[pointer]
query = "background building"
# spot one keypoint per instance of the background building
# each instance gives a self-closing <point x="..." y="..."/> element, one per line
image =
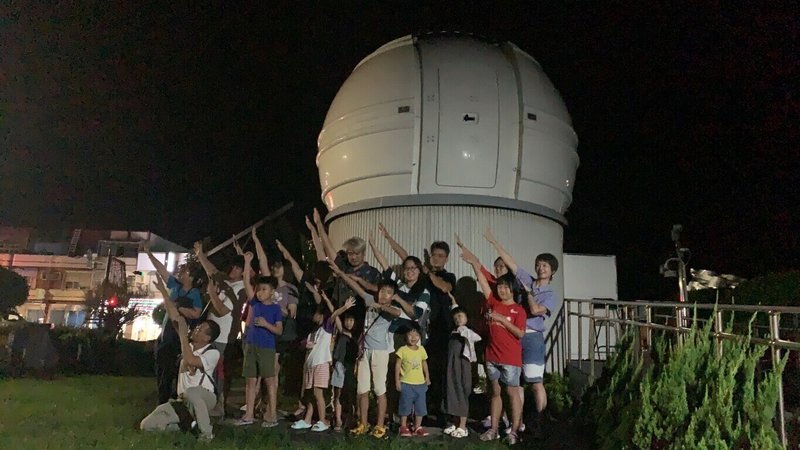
<point x="63" y="266"/>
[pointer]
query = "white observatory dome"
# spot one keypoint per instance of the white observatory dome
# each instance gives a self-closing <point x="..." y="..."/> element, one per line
<point x="443" y="133"/>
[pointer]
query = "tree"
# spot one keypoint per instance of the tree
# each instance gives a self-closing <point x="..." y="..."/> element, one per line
<point x="109" y="303"/>
<point x="13" y="291"/>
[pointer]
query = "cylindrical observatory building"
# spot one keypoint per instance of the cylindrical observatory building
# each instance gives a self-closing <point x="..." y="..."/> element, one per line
<point x="439" y="134"/>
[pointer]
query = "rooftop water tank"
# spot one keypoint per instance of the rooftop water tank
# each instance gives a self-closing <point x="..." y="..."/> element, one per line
<point x="439" y="134"/>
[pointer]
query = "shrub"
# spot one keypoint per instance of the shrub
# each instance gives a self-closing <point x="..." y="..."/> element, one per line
<point x="689" y="397"/>
<point x="84" y="351"/>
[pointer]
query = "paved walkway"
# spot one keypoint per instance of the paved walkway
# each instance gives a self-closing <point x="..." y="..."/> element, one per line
<point x="554" y="435"/>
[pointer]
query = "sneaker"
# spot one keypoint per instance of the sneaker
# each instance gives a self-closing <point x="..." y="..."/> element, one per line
<point x="301" y="425"/>
<point x="243" y="422"/>
<point x="449" y="430"/>
<point x="487" y="422"/>
<point x="378" y="432"/>
<point x="266" y="424"/>
<point x="360" y="430"/>
<point x="512" y="438"/>
<point x="405" y="432"/>
<point x="421" y="432"/>
<point x="320" y="426"/>
<point x="490" y="435"/>
<point x="459" y="433"/>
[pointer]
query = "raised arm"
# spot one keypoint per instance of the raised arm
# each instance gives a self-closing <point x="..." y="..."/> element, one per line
<point x="316" y="241"/>
<point x="472" y="260"/>
<point x="335" y="316"/>
<point x="378" y="255"/>
<point x="161" y="269"/>
<point x="347" y="305"/>
<point x="369" y="287"/>
<point x="263" y="262"/>
<point x="219" y="307"/>
<point x="350" y="282"/>
<point x="248" y="284"/>
<point x="237" y="247"/>
<point x="327" y="301"/>
<point x="201" y="256"/>
<point x="314" y="293"/>
<point x="169" y="305"/>
<point x="504" y="255"/>
<point x="187" y="353"/>
<point x="401" y="252"/>
<point x="327" y="245"/>
<point x="297" y="271"/>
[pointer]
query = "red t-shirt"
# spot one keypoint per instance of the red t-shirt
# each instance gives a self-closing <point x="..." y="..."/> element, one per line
<point x="504" y="347"/>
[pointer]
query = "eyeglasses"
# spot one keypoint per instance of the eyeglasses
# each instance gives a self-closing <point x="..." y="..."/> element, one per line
<point x="410" y="269"/>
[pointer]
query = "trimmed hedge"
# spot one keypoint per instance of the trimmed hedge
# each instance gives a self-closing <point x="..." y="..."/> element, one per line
<point x="83" y="351"/>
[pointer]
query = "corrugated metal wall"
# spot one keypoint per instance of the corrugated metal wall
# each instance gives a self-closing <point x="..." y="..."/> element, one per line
<point x="524" y="235"/>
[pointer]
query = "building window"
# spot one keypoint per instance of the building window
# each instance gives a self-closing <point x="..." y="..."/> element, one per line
<point x="35" y="315"/>
<point x="57" y="316"/>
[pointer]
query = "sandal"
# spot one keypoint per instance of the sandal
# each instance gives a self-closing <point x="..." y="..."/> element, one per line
<point x="459" y="433"/>
<point x="489" y="435"/>
<point x="320" y="426"/>
<point x="301" y="425"/>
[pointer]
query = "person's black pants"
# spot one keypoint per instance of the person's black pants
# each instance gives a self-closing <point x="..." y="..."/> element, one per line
<point x="167" y="372"/>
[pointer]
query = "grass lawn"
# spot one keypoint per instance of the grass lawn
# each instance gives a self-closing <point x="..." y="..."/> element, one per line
<point x="104" y="412"/>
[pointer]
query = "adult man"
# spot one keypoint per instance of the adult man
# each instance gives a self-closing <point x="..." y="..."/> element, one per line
<point x="196" y="391"/>
<point x="351" y="261"/>
<point x="186" y="297"/>
<point x="227" y="298"/>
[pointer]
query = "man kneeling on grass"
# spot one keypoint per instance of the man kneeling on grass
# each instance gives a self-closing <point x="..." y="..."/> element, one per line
<point x="196" y="390"/>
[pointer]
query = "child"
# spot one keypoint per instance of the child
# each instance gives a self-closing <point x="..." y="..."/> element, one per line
<point x="372" y="365"/>
<point x="458" y="378"/>
<point x="412" y="380"/>
<point x="264" y="323"/>
<point x="344" y="362"/>
<point x="504" y="352"/>
<point x="317" y="370"/>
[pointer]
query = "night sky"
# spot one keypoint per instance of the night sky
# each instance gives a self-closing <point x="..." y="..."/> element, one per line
<point x="198" y="122"/>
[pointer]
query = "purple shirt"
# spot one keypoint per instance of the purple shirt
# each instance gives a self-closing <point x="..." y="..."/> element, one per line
<point x="525" y="277"/>
<point x="546" y="297"/>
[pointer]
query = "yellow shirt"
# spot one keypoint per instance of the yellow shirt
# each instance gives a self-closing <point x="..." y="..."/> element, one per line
<point x="411" y="364"/>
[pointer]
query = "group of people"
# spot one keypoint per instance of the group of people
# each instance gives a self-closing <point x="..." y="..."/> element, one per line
<point x="358" y="326"/>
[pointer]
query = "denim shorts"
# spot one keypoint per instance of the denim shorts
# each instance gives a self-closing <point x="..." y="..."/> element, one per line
<point x="413" y="395"/>
<point x="507" y="374"/>
<point x="337" y="378"/>
<point x="533" y="353"/>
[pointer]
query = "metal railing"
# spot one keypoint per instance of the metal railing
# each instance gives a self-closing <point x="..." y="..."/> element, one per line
<point x="589" y="320"/>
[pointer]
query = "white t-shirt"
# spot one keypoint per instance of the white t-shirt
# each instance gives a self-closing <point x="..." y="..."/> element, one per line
<point x="225" y="321"/>
<point x="186" y="379"/>
<point x="321" y="351"/>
